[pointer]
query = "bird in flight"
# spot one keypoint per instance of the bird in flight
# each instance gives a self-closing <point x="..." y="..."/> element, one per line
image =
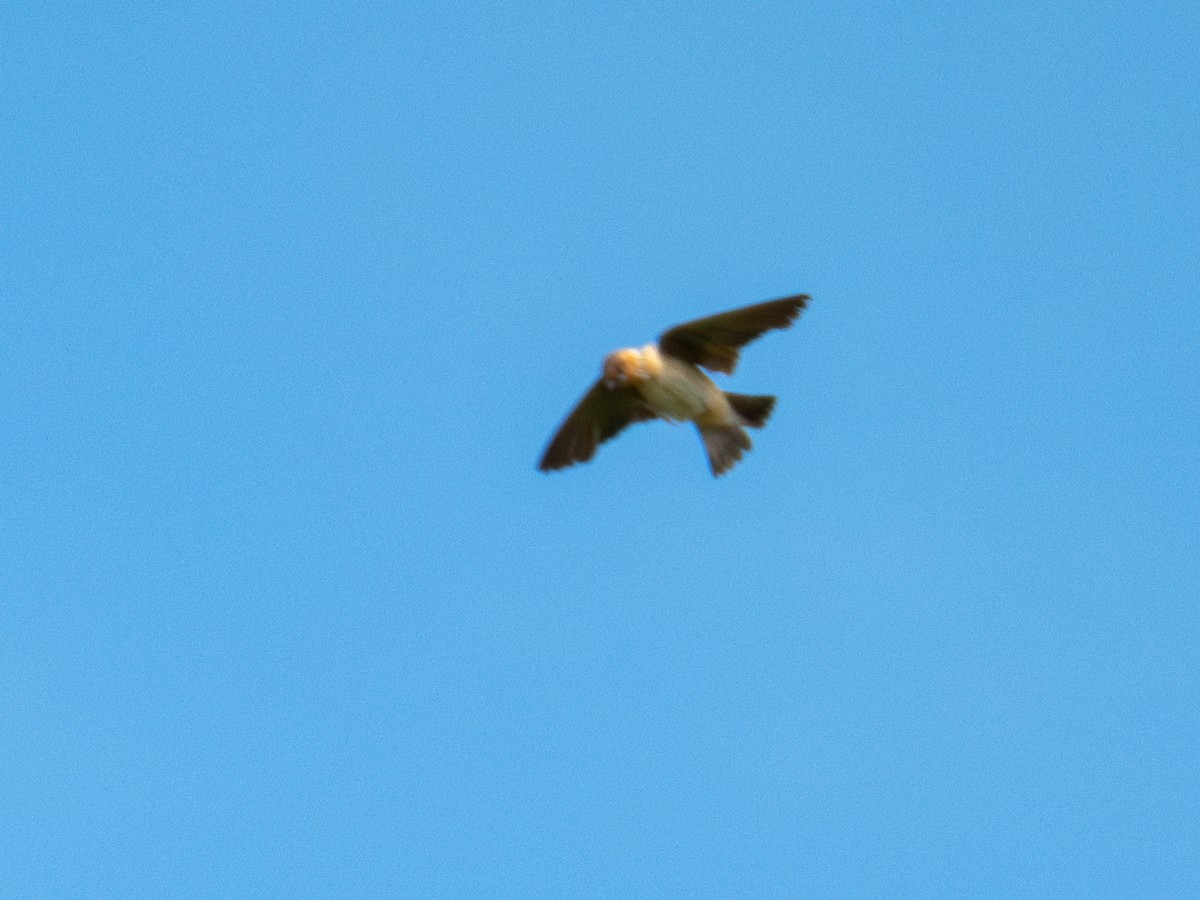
<point x="664" y="381"/>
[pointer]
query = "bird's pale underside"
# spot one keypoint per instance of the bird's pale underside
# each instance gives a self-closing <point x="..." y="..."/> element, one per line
<point x="665" y="381"/>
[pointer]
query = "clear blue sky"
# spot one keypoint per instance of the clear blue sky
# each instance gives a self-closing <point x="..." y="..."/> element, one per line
<point x="292" y="297"/>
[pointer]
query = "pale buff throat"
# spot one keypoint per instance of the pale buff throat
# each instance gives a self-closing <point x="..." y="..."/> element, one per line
<point x="632" y="366"/>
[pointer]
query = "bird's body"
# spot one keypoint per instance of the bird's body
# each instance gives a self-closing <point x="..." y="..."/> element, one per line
<point x="664" y="381"/>
<point x="676" y="390"/>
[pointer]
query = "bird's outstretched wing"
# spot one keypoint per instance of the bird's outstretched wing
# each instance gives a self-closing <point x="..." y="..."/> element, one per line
<point x="600" y="415"/>
<point x="713" y="342"/>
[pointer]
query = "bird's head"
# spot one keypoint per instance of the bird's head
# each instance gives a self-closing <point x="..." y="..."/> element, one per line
<point x="630" y="366"/>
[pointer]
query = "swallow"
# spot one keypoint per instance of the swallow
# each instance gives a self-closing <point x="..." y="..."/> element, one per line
<point x="665" y="381"/>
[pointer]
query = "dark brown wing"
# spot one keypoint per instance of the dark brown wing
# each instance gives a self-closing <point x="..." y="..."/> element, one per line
<point x="714" y="342"/>
<point x="600" y="415"/>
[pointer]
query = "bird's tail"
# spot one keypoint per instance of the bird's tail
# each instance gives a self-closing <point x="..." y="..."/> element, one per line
<point x="724" y="445"/>
<point x="753" y="410"/>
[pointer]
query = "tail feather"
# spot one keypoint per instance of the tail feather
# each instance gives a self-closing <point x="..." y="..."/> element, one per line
<point x="753" y="410"/>
<point x="724" y="445"/>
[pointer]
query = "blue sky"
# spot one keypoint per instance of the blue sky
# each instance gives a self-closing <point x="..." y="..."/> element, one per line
<point x="291" y="299"/>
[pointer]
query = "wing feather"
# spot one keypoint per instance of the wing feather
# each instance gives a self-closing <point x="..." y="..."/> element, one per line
<point x="600" y="415"/>
<point x="713" y="342"/>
